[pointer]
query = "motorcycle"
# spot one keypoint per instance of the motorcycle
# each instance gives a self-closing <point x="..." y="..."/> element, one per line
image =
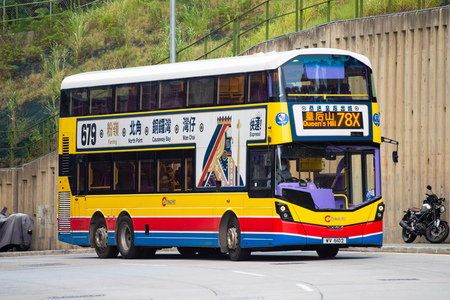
<point x="425" y="220"/>
<point x="15" y="231"/>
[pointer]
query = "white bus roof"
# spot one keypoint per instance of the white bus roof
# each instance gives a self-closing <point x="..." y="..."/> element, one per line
<point x="209" y="67"/>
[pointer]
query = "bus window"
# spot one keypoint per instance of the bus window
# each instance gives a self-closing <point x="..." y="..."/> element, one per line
<point x="231" y="89"/>
<point x="200" y="92"/>
<point x="326" y="78"/>
<point x="81" y="181"/>
<point x="166" y="175"/>
<point x="146" y="176"/>
<point x="124" y="175"/>
<point x="274" y="86"/>
<point x="99" y="176"/>
<point x="172" y="94"/>
<point x="370" y="175"/>
<point x="260" y="174"/>
<point x="257" y="88"/>
<point x="149" y="92"/>
<point x="101" y="101"/>
<point x="126" y="98"/>
<point x="79" y="103"/>
<point x="189" y="174"/>
<point x="363" y="177"/>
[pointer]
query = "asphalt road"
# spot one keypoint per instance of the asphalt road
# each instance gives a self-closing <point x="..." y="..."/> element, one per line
<point x="274" y="275"/>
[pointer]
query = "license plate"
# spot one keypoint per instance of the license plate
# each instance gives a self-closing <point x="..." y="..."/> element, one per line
<point x="334" y="241"/>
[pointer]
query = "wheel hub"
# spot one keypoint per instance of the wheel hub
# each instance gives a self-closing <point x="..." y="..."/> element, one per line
<point x="436" y="232"/>
<point x="101" y="237"/>
<point x="232" y="238"/>
<point x="125" y="238"/>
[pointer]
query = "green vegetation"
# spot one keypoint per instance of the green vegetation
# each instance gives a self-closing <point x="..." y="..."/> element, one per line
<point x="128" y="33"/>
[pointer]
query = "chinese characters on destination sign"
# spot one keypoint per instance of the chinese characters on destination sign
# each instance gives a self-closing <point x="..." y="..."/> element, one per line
<point x="332" y="120"/>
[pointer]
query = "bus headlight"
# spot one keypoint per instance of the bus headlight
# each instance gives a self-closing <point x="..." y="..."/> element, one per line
<point x="283" y="211"/>
<point x="380" y="212"/>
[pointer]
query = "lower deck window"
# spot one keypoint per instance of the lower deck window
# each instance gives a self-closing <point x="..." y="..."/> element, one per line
<point x="99" y="176"/>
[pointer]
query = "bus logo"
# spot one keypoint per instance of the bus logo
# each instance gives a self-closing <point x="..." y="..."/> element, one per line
<point x="376" y="120"/>
<point x="166" y="201"/>
<point x="282" y="119"/>
<point x="329" y="218"/>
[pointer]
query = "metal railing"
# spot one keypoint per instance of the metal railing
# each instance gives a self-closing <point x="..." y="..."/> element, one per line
<point x="16" y="11"/>
<point x="209" y="44"/>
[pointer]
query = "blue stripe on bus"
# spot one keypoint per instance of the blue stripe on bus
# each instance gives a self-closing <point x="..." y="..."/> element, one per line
<point x="211" y="239"/>
<point x="174" y="239"/>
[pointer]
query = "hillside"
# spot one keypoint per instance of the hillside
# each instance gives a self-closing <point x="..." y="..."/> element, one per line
<point x="127" y="33"/>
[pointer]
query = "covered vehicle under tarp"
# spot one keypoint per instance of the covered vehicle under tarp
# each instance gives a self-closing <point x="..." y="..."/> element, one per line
<point x="15" y="231"/>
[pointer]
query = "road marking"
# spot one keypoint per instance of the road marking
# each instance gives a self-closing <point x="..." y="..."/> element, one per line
<point x="247" y="273"/>
<point x="305" y="287"/>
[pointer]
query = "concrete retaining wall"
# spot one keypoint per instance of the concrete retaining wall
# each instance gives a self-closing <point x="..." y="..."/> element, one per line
<point x="32" y="189"/>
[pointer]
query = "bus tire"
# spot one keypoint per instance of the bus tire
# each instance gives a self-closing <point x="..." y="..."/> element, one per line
<point x="328" y="252"/>
<point x="101" y="246"/>
<point x="125" y="239"/>
<point x="235" y="251"/>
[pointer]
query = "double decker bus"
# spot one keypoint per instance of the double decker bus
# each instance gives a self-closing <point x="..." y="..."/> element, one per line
<point x="274" y="151"/>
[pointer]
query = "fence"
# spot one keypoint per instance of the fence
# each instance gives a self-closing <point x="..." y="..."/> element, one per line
<point x="18" y="12"/>
<point x="216" y="40"/>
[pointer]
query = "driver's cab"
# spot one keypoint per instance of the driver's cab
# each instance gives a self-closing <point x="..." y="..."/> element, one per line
<point x="321" y="177"/>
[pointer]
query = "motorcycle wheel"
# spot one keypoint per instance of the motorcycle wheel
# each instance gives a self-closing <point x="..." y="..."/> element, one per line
<point x="408" y="237"/>
<point x="437" y="234"/>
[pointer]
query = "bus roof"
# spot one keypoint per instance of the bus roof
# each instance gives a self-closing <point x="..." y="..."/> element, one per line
<point x="190" y="69"/>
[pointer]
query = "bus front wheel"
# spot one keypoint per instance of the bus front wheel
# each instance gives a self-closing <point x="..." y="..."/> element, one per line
<point x="101" y="246"/>
<point x="235" y="251"/>
<point x="125" y="239"/>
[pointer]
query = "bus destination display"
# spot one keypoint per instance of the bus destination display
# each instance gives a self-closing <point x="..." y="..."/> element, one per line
<point x="332" y="120"/>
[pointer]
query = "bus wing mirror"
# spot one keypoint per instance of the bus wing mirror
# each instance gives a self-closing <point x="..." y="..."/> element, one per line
<point x="391" y="141"/>
<point x="395" y="156"/>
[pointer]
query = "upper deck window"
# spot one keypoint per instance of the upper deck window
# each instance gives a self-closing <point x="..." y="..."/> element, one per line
<point x="231" y="89"/>
<point x="257" y="87"/>
<point x="149" y="96"/>
<point x="326" y="78"/>
<point x="101" y="101"/>
<point x="201" y="92"/>
<point x="126" y="98"/>
<point x="172" y="94"/>
<point x="79" y="102"/>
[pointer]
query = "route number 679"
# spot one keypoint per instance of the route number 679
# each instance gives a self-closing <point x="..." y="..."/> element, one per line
<point x="88" y="134"/>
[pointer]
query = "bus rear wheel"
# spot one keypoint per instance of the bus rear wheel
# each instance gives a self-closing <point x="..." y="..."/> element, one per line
<point x="235" y="251"/>
<point x="101" y="246"/>
<point x="125" y="239"/>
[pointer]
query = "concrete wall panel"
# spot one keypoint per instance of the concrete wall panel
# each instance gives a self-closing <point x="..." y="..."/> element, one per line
<point x="32" y="189"/>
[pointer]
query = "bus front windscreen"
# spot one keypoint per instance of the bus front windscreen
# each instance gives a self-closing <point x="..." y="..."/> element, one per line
<point x="327" y="177"/>
<point x="326" y="78"/>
